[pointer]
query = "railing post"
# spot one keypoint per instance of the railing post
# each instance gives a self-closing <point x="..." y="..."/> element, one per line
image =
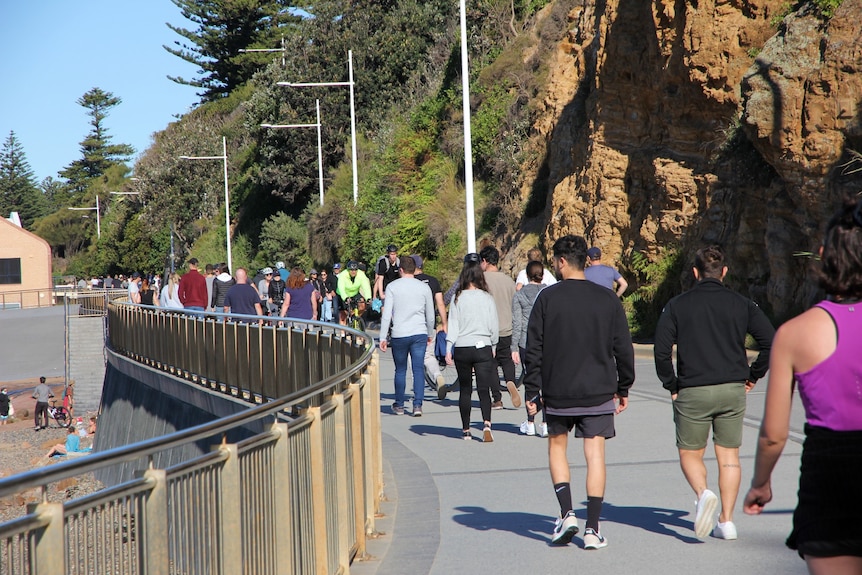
<point x="283" y="524"/>
<point x="369" y="464"/>
<point x="230" y="502"/>
<point x="48" y="545"/>
<point x="341" y="481"/>
<point x="155" y="559"/>
<point x="318" y="491"/>
<point x="359" y="478"/>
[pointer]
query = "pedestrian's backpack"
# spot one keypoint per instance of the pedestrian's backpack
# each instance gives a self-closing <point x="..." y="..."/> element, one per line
<point x="440" y="347"/>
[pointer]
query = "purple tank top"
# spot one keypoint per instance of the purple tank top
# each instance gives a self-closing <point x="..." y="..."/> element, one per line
<point x="831" y="391"/>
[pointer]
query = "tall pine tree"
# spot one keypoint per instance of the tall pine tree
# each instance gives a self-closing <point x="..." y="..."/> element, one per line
<point x="97" y="153"/>
<point x="18" y="189"/>
<point x="224" y="28"/>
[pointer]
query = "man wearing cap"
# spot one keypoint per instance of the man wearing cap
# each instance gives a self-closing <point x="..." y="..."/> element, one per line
<point x="432" y="366"/>
<point x="282" y="271"/>
<point x="606" y="276"/>
<point x="263" y="289"/>
<point x="386" y="271"/>
<point x="352" y="282"/>
<point x="193" y="288"/>
<point x="135" y="288"/>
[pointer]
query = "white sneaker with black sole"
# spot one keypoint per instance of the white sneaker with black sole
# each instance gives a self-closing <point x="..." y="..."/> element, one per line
<point x="565" y="528"/>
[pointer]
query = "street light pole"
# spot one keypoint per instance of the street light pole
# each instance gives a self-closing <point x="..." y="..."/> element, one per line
<point x="468" y="147"/>
<point x="98" y="217"/>
<point x="319" y="142"/>
<point x="350" y="84"/>
<point x="223" y="157"/>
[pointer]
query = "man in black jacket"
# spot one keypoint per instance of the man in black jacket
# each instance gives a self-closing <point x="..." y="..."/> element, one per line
<point x="581" y="360"/>
<point x="708" y="324"/>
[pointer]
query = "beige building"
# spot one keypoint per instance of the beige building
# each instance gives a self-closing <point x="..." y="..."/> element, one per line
<point x="25" y="267"/>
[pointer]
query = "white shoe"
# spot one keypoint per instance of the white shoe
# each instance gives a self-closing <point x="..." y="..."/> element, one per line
<point x="564" y="529"/>
<point x="528" y="428"/>
<point x="726" y="530"/>
<point x="594" y="540"/>
<point x="707" y="514"/>
<point x="543" y="430"/>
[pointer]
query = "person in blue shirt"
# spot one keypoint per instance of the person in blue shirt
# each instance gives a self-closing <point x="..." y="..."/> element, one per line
<point x="72" y="445"/>
<point x="606" y="276"/>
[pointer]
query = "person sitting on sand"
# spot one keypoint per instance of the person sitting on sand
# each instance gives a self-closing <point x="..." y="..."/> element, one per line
<point x="73" y="445"/>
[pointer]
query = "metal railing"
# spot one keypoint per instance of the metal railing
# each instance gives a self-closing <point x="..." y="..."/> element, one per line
<point x="24" y="299"/>
<point x="298" y="498"/>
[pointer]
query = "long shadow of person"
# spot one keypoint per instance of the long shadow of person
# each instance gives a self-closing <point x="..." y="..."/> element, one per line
<point x="528" y="525"/>
<point x="655" y="519"/>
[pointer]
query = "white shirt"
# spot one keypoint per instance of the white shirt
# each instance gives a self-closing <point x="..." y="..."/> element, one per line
<point x="548" y="278"/>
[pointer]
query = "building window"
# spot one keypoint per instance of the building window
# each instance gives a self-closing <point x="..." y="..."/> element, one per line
<point x="10" y="270"/>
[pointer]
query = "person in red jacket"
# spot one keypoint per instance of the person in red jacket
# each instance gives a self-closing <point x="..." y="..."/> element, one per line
<point x="193" y="288"/>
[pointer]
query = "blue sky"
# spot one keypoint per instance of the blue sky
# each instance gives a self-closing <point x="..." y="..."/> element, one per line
<point x="53" y="51"/>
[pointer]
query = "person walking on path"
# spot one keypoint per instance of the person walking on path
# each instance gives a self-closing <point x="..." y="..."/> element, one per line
<point x="41" y="394"/>
<point x="242" y="297"/>
<point x="193" y="288"/>
<point x="708" y="324"/>
<point x="385" y="271"/>
<point x="522" y="306"/>
<point x="300" y="297"/>
<point x="473" y="333"/>
<point x="534" y="255"/>
<point x="818" y="352"/>
<point x="171" y="292"/>
<point x="580" y="366"/>
<point x="502" y="289"/>
<point x="606" y="276"/>
<point x="433" y="369"/>
<point x="223" y="282"/>
<point x="409" y="309"/>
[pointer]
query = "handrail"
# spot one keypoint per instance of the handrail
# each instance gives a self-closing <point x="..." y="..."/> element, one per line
<point x="328" y="458"/>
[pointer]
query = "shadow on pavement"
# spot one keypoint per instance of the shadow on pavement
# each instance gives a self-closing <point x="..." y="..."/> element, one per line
<point x="654" y="519"/>
<point x="529" y="525"/>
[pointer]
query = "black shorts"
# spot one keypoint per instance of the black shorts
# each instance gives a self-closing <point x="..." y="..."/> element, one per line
<point x="587" y="426"/>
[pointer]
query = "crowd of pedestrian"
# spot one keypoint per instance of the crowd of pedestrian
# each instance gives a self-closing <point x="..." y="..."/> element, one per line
<point x="569" y="333"/>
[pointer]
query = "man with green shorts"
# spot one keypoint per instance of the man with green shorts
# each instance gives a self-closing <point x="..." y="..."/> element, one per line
<point x="709" y="324"/>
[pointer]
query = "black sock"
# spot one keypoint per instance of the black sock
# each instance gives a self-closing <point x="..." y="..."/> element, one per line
<point x="594" y="510"/>
<point x="564" y="496"/>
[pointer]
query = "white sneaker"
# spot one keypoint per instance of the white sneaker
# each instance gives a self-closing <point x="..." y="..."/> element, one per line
<point x="528" y="428"/>
<point x="564" y="529"/>
<point x="726" y="530"/>
<point x="543" y="430"/>
<point x="706" y="516"/>
<point x="594" y="540"/>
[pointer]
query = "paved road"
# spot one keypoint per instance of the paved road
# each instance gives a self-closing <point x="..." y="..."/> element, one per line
<point x="468" y="507"/>
<point x="33" y="343"/>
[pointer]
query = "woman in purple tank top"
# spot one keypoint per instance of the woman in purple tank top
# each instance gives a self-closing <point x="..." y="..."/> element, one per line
<point x="819" y="352"/>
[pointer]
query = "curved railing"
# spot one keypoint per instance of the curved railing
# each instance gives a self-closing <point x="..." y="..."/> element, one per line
<point x="300" y="497"/>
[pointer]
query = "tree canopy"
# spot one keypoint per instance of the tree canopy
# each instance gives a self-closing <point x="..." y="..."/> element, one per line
<point x="18" y="189"/>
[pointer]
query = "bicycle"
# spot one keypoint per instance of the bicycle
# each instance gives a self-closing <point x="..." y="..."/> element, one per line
<point x="59" y="414"/>
<point x="355" y="310"/>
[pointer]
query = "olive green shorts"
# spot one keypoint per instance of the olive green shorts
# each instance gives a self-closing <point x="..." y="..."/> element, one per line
<point x="721" y="407"/>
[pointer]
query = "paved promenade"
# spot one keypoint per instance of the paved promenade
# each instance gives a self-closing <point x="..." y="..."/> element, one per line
<point x="468" y="507"/>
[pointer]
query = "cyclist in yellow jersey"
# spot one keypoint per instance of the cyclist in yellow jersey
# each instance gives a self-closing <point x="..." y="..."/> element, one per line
<point x="353" y="281"/>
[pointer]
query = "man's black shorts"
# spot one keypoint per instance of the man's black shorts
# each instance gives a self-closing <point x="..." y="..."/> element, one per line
<point x="587" y="426"/>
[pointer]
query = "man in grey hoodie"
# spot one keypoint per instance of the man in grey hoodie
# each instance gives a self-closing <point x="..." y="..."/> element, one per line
<point x="409" y="308"/>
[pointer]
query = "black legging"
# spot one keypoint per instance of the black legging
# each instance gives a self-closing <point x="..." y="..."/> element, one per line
<point x="504" y="360"/>
<point x="481" y="360"/>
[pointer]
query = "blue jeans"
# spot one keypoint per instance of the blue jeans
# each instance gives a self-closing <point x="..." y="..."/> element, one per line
<point x="414" y="346"/>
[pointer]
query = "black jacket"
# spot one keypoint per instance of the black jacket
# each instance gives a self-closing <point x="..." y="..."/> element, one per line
<point x="708" y="324"/>
<point x="579" y="349"/>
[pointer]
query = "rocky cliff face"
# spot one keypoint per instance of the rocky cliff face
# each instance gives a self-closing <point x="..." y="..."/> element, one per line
<point x="672" y="123"/>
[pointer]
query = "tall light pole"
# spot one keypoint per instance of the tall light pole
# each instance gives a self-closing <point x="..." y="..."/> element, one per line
<point x="98" y="217"/>
<point x="468" y="147"/>
<point x="226" y="193"/>
<point x="351" y="84"/>
<point x="319" y="142"/>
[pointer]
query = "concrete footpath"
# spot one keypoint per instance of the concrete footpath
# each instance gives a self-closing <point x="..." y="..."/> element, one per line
<point x="454" y="506"/>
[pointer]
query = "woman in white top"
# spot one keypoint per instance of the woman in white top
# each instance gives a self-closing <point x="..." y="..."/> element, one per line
<point x="171" y="293"/>
<point x="473" y="332"/>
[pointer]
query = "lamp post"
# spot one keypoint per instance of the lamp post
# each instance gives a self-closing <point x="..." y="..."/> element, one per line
<point x="468" y="147"/>
<point x="350" y="83"/>
<point x="98" y="217"/>
<point x="319" y="142"/>
<point x="226" y="193"/>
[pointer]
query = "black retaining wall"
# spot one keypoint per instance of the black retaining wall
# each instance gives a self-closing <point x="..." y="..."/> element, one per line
<point x="141" y="402"/>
